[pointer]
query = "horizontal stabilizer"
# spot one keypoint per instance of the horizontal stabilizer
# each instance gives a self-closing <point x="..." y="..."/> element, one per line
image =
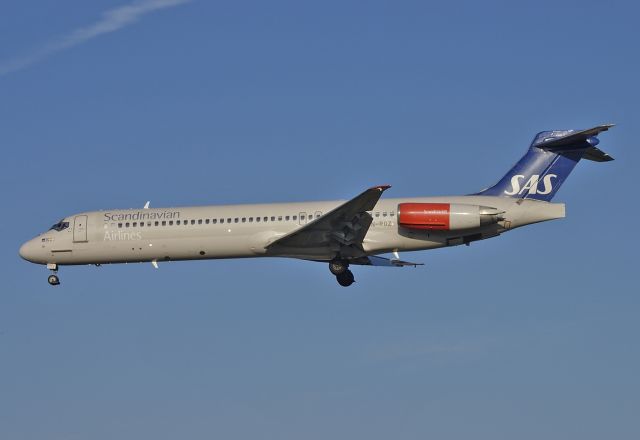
<point x="596" y="155"/>
<point x="564" y="141"/>
<point x="559" y="140"/>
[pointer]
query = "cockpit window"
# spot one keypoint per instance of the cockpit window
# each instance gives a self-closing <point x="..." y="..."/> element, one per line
<point x="61" y="225"/>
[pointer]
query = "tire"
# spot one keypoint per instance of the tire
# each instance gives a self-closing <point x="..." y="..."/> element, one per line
<point x="53" y="280"/>
<point x="346" y="278"/>
<point x="337" y="267"/>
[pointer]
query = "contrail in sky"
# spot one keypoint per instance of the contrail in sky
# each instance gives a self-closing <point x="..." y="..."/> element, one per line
<point x="111" y="21"/>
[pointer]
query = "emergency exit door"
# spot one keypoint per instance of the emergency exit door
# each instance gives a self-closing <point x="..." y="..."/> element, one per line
<point x="80" y="228"/>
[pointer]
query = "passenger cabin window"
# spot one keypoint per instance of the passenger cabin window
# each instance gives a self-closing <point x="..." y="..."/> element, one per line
<point x="193" y="222"/>
<point x="200" y="221"/>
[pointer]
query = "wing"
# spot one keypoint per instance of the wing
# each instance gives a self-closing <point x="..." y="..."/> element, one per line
<point x="375" y="260"/>
<point x="345" y="226"/>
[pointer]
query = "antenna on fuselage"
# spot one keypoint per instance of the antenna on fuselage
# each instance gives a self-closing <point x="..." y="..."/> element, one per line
<point x="146" y="205"/>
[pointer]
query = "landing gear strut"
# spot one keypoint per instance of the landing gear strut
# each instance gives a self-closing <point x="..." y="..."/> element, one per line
<point x="340" y="268"/>
<point x="53" y="278"/>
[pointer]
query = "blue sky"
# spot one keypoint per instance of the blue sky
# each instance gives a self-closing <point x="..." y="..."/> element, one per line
<point x="108" y="104"/>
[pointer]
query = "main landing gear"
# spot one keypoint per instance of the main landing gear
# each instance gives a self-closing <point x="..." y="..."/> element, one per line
<point x="53" y="278"/>
<point x="340" y="268"/>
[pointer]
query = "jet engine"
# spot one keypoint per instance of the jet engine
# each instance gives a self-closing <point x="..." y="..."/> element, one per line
<point x="446" y="216"/>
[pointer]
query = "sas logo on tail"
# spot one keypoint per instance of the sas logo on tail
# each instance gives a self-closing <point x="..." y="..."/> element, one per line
<point x="531" y="185"/>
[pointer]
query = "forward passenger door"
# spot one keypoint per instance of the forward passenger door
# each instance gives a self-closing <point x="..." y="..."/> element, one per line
<point x="80" y="229"/>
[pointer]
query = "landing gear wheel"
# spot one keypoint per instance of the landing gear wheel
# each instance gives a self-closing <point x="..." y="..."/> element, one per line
<point x="53" y="280"/>
<point x="345" y="279"/>
<point x="338" y="267"/>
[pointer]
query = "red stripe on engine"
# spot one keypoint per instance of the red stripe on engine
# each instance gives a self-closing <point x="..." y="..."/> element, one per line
<point x="431" y="216"/>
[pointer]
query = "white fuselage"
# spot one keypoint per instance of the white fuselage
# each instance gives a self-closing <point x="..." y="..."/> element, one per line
<point x="242" y="231"/>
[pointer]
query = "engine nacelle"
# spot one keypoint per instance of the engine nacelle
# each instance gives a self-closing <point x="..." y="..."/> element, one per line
<point x="446" y="216"/>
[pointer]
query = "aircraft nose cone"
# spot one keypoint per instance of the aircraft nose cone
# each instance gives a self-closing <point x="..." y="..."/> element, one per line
<point x="27" y="251"/>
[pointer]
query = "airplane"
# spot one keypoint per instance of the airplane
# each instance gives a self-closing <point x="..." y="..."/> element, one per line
<point x="340" y="233"/>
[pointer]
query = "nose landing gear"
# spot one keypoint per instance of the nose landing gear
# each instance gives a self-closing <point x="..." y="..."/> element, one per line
<point x="340" y="268"/>
<point x="53" y="278"/>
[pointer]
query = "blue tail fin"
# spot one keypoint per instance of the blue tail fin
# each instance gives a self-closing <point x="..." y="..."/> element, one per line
<point x="548" y="162"/>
